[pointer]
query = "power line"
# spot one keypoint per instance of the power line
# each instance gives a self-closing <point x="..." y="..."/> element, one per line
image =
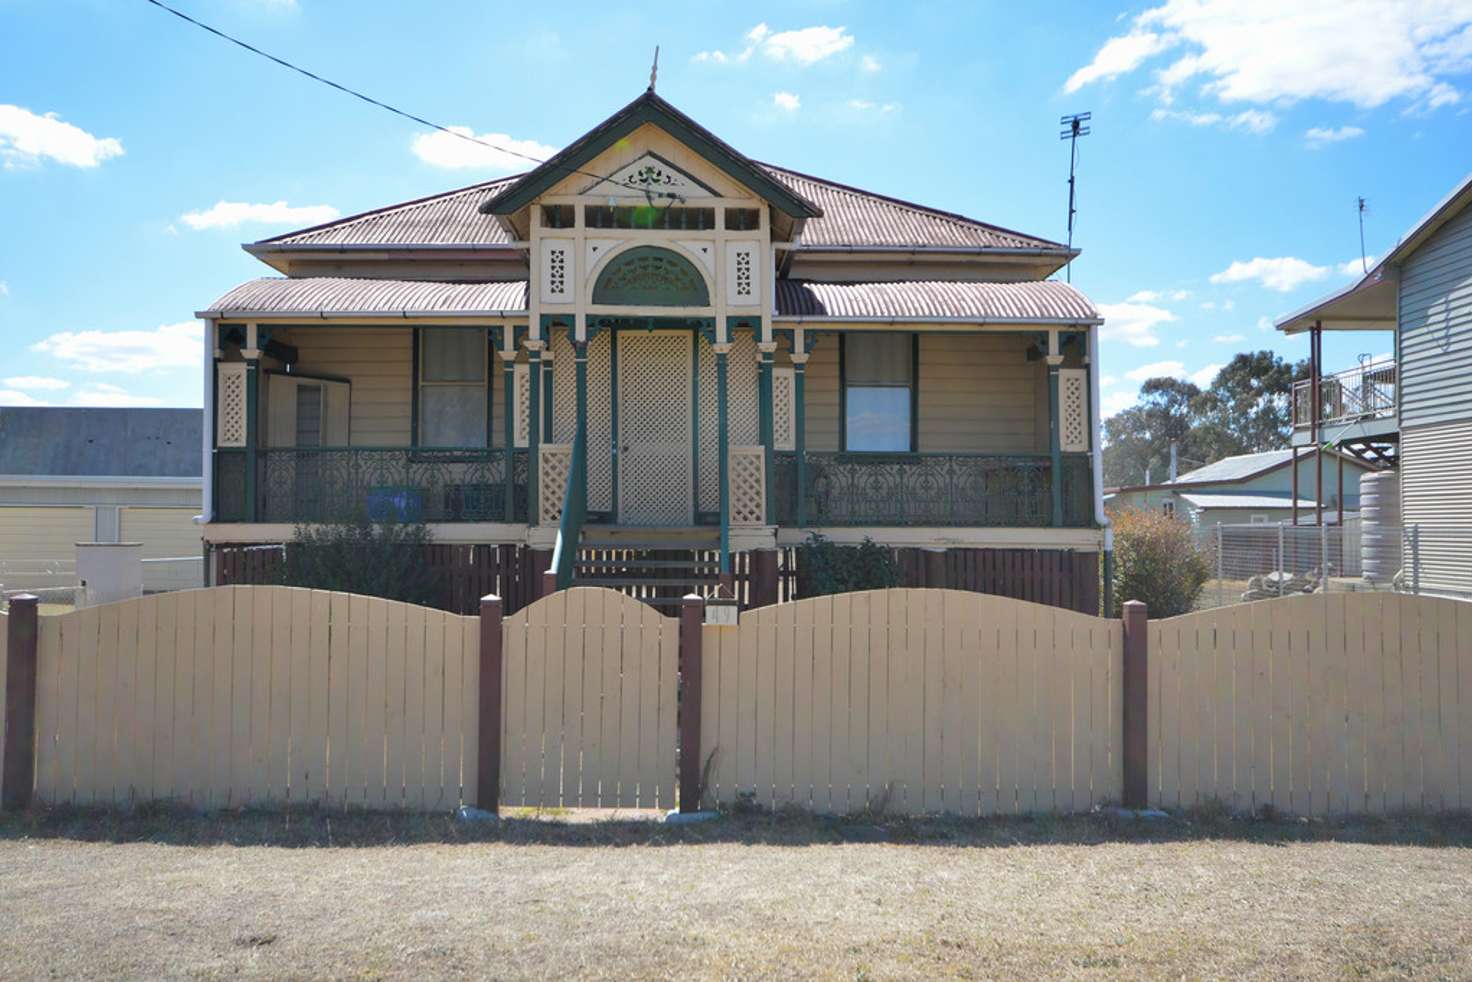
<point x="393" y="109"/>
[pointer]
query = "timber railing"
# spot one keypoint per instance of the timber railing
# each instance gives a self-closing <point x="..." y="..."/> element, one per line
<point x="574" y="514"/>
<point x="1365" y="392"/>
<point x="326" y="484"/>
<point x="991" y="490"/>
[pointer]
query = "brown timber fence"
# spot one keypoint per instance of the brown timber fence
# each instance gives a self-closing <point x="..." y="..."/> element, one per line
<point x="906" y="700"/>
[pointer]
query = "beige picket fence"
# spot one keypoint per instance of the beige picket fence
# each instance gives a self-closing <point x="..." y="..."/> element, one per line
<point x="913" y="700"/>
<point x="589" y="703"/>
<point x="237" y="696"/>
<point x="1315" y="705"/>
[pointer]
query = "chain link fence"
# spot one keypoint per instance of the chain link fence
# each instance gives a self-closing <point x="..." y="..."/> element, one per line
<point x="1264" y="560"/>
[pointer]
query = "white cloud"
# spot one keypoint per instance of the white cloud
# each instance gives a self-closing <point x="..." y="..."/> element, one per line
<point x="1118" y="56"/>
<point x="1229" y="338"/>
<point x="864" y="106"/>
<point x="870" y="64"/>
<point x="1204" y="377"/>
<point x="1365" y="53"/>
<point x="1105" y="381"/>
<point x="36" y="383"/>
<point x="1115" y="402"/>
<point x="102" y="394"/>
<point x="1283" y="274"/>
<point x="169" y="346"/>
<point x="1252" y="120"/>
<point x="1264" y="323"/>
<point x="11" y="397"/>
<point x="787" y="101"/>
<point x="233" y="214"/>
<point x="441" y="149"/>
<point x="1133" y="323"/>
<point x="4" y="289"/>
<point x="803" y="47"/>
<point x="1319" y="136"/>
<point x="1208" y="305"/>
<point x="1155" y="369"/>
<point x="1180" y="294"/>
<point x="1353" y="267"/>
<point x="1143" y="296"/>
<point x="27" y="139"/>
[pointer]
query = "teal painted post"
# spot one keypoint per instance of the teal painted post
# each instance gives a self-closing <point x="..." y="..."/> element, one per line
<point x="533" y="431"/>
<point x="799" y="431"/>
<point x="765" y="417"/>
<point x="508" y="430"/>
<point x="548" y="432"/>
<point x="580" y="362"/>
<point x="723" y="453"/>
<point x="252" y="435"/>
<point x="1053" y="446"/>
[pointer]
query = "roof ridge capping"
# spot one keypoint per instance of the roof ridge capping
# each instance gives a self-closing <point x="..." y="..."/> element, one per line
<point x="650" y="107"/>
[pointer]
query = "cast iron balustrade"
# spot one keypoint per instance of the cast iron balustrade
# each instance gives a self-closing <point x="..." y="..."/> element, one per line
<point x="330" y="484"/>
<point x="977" y="490"/>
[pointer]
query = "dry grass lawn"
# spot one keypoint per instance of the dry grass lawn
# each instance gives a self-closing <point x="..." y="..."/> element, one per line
<point x="167" y="895"/>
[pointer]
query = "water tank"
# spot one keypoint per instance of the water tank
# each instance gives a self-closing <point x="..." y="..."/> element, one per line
<point x="1380" y="541"/>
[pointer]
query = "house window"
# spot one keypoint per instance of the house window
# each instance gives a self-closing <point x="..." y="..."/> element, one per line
<point x="879" y="392"/>
<point x="452" y="388"/>
<point x="1259" y="519"/>
<point x="1169" y="507"/>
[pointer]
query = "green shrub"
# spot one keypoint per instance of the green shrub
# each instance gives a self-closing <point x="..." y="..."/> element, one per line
<point x="376" y="559"/>
<point x="1156" y="561"/>
<point x="824" y="568"/>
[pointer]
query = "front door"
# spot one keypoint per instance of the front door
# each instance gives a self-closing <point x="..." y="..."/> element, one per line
<point x="655" y="436"/>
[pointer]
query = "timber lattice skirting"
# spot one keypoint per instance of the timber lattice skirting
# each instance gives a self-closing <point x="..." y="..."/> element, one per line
<point x="908" y="700"/>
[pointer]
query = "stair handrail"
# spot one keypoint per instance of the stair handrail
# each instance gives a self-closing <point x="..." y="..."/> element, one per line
<point x="574" y="513"/>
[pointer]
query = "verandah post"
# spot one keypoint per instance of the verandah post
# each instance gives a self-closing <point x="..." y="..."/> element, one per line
<point x="534" y="432"/>
<point x="1055" y="361"/>
<point x="1134" y="715"/>
<point x="508" y="423"/>
<point x="799" y="430"/>
<point x="723" y="454"/>
<point x="17" y="773"/>
<point x="766" y="419"/>
<point x="488" y="743"/>
<point x="692" y="623"/>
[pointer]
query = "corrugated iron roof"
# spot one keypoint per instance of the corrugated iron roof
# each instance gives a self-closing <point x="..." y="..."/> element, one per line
<point x="1236" y="468"/>
<point x="1028" y="301"/>
<point x="1264" y="501"/>
<point x="316" y="295"/>
<point x="851" y="218"/>
<point x="103" y="442"/>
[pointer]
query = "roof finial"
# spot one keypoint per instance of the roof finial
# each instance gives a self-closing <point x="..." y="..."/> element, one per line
<point x="654" y="72"/>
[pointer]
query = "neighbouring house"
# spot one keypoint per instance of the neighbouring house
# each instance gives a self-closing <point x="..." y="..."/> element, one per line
<point x="72" y="475"/>
<point x="1251" y="488"/>
<point x="654" y="358"/>
<point x="1411" y="411"/>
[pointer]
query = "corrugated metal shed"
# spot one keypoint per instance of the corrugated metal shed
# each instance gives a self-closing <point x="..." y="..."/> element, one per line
<point x="851" y="217"/>
<point x="1046" y="300"/>
<point x="344" y="295"/>
<point x="103" y="442"/>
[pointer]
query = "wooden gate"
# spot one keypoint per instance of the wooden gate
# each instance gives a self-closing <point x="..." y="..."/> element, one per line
<point x="589" y="703"/>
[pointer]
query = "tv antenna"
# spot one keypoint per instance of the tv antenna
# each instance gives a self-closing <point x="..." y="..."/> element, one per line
<point x="1074" y="127"/>
<point x="1362" y="206"/>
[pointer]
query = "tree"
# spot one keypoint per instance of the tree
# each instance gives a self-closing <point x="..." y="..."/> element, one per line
<point x="1156" y="561"/>
<point x="1248" y="408"/>
<point x="1138" y="439"/>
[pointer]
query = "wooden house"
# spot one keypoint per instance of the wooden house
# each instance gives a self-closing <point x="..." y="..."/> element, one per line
<point x="654" y="348"/>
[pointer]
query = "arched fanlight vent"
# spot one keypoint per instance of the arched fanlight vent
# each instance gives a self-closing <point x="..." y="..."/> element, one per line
<point x="651" y="276"/>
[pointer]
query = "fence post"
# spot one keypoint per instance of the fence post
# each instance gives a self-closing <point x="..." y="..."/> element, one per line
<point x="17" y="772"/>
<point x="1135" y="743"/>
<point x="692" y="624"/>
<point x="488" y="755"/>
<point x="1221" y="563"/>
<point x="935" y="568"/>
<point x="541" y="565"/>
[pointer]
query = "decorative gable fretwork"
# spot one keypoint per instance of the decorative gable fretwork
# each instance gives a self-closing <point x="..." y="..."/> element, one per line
<point x="558" y="271"/>
<point x="1073" y="410"/>
<point x="741" y="274"/>
<point x="230" y="426"/>
<point x="651" y="174"/>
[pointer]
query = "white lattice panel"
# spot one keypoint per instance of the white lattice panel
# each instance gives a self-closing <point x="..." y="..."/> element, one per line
<point x="784" y="430"/>
<point x="1073" y="409"/>
<point x="654" y="428"/>
<point x="558" y="270"/>
<point x="741" y="409"/>
<point x="552" y="481"/>
<point x="748" y="486"/>
<point x="230" y="426"/>
<point x="522" y="402"/>
<point x="742" y="262"/>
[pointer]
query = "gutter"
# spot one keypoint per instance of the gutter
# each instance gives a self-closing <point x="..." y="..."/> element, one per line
<point x="512" y="250"/>
<point x="96" y="481"/>
<point x="358" y="314"/>
<point x="1025" y="321"/>
<point x="842" y="248"/>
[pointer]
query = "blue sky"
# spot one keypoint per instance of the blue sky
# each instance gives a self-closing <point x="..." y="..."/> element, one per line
<point x="1216" y="192"/>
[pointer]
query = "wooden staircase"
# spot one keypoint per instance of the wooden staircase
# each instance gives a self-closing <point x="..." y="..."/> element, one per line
<point x="655" y="565"/>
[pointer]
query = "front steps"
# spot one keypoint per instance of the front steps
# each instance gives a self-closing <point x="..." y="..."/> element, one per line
<point x="656" y="565"/>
